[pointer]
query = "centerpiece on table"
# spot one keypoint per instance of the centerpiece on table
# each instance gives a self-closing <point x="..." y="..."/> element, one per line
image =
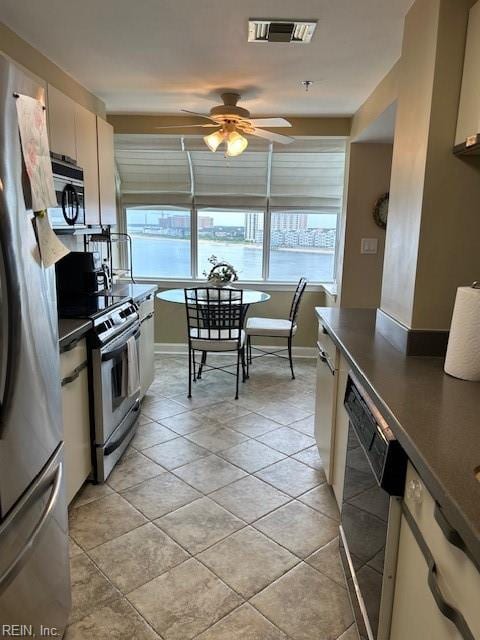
<point x="222" y="274"/>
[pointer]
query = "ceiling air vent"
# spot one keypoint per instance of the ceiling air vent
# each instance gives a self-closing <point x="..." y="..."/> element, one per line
<point x="280" y="31"/>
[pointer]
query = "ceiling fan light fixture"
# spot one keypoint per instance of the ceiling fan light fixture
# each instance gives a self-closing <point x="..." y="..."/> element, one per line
<point x="214" y="140"/>
<point x="236" y="144"/>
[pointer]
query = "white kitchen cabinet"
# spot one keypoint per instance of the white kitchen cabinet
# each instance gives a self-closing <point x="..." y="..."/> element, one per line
<point x="61" y="123"/>
<point x="147" y="344"/>
<point x="326" y="400"/>
<point x="87" y="158"/>
<point x="456" y="580"/>
<point x="76" y="417"/>
<point x="468" y="123"/>
<point x="340" y="439"/>
<point x="106" y="173"/>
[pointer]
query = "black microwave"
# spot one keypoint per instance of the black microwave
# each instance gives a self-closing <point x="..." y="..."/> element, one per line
<point x="70" y="194"/>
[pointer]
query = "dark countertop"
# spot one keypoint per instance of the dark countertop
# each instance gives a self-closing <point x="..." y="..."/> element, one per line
<point x="436" y="418"/>
<point x="137" y="292"/>
<point x="70" y="330"/>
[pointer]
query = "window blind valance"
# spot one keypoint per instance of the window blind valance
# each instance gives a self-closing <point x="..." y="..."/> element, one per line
<point x="161" y="169"/>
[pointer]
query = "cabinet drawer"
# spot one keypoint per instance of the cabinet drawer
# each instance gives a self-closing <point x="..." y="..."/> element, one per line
<point x="458" y="577"/>
<point x="327" y="344"/>
<point x="146" y="306"/>
<point x="74" y="355"/>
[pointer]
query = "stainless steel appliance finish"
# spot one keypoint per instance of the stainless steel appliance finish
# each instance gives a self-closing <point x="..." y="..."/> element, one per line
<point x="370" y="516"/>
<point x="33" y="531"/>
<point x="69" y="189"/>
<point x="115" y="409"/>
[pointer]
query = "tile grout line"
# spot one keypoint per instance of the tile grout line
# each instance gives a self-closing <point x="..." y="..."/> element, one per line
<point x="208" y="495"/>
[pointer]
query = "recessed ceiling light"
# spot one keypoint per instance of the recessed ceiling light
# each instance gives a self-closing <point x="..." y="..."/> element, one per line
<point x="293" y="31"/>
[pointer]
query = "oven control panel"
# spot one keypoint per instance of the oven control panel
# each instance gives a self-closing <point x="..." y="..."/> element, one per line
<point x="115" y="320"/>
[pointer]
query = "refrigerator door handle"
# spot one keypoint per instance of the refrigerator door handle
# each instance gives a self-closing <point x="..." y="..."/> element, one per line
<point x="9" y="332"/>
<point x="15" y="567"/>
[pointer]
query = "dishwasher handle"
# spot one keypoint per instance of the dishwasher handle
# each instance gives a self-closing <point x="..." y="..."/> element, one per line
<point x="322" y="354"/>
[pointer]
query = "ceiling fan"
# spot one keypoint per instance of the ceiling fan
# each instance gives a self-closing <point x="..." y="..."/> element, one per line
<point x="231" y="121"/>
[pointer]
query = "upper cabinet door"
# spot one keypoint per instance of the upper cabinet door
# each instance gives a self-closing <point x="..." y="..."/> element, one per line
<point x="469" y="112"/>
<point x="87" y="158"/>
<point x="106" y="173"/>
<point x="61" y="121"/>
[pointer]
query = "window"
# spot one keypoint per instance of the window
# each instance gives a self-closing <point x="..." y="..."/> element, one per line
<point x="160" y="242"/>
<point x="271" y="212"/>
<point x="302" y="243"/>
<point x="233" y="236"/>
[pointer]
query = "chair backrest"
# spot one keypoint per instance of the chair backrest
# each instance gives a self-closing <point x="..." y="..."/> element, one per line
<point x="297" y="298"/>
<point x="214" y="314"/>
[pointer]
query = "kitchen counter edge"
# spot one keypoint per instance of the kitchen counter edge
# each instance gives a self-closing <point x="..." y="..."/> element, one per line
<point x="71" y="330"/>
<point x="336" y="321"/>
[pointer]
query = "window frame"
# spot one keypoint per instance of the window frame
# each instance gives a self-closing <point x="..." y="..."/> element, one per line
<point x="266" y="247"/>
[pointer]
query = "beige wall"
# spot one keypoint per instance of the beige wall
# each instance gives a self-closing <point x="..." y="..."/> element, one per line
<point x="368" y="178"/>
<point x="170" y="319"/>
<point x="433" y="227"/>
<point x="300" y="126"/>
<point x="23" y="53"/>
<point x="380" y="99"/>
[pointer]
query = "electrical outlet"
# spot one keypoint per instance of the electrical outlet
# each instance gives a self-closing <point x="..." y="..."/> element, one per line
<point x="369" y="246"/>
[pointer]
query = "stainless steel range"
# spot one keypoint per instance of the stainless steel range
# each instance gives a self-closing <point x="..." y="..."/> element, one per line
<point x="115" y="403"/>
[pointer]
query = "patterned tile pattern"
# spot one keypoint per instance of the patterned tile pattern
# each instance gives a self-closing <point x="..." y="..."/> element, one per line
<point x="217" y="524"/>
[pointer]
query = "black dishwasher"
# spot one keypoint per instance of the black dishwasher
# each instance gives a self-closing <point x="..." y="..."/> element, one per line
<point x="374" y="481"/>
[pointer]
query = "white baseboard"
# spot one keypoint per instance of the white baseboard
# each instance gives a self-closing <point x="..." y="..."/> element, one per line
<point x="177" y="348"/>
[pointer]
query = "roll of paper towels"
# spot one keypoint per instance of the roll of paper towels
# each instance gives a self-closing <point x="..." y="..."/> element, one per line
<point x="463" y="351"/>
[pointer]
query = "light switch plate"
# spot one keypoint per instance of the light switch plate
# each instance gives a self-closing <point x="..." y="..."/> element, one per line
<point x="369" y="246"/>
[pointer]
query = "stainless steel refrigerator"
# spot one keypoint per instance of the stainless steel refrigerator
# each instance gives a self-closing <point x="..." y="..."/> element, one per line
<point x="34" y="574"/>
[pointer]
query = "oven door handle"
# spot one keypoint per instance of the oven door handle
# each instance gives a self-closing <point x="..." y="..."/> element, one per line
<point x="113" y="446"/>
<point x="110" y="355"/>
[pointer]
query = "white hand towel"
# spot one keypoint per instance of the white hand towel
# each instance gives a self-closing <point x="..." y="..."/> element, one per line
<point x="133" y="373"/>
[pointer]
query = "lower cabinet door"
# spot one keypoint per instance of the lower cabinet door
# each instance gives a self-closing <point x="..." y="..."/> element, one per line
<point x="76" y="426"/>
<point x="146" y="355"/>
<point x="325" y="401"/>
<point x="416" y="615"/>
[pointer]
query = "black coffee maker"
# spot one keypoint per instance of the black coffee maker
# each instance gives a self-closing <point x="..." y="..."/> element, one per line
<point x="79" y="273"/>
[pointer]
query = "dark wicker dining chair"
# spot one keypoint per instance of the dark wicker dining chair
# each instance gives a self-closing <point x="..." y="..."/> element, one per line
<point x="215" y="324"/>
<point x="276" y="328"/>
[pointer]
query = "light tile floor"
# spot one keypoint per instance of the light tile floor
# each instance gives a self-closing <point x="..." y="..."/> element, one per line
<point x="217" y="523"/>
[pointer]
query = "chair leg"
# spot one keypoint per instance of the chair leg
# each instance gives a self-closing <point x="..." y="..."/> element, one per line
<point x="290" y="356"/>
<point x="238" y="374"/>
<point x="244" y="368"/>
<point x="189" y="372"/>
<point x="194" y="366"/>
<point x="202" y="363"/>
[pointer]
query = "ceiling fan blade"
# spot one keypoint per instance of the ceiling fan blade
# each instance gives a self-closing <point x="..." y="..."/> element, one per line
<point x="270" y="135"/>
<point x="200" y="115"/>
<point x="188" y="126"/>
<point x="270" y="122"/>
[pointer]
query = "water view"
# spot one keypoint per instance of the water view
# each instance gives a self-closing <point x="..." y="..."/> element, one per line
<point x="170" y="258"/>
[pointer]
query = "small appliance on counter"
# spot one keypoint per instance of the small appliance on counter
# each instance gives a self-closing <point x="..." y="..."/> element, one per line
<point x="70" y="192"/>
<point x="375" y="470"/>
<point x="113" y="353"/>
<point x="79" y="273"/>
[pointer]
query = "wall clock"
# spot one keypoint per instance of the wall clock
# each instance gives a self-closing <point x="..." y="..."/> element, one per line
<point x="380" y="211"/>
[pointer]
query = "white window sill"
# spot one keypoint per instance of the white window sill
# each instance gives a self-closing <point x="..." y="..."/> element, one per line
<point x="327" y="287"/>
